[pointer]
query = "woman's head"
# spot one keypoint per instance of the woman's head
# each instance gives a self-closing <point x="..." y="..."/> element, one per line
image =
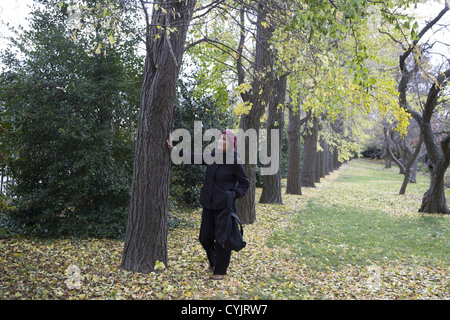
<point x="228" y="141"/>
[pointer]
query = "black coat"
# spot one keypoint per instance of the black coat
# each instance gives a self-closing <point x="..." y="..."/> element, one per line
<point x="220" y="178"/>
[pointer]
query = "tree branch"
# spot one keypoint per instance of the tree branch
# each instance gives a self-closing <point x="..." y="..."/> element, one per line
<point x="429" y="25"/>
<point x="433" y="94"/>
<point x="239" y="65"/>
<point x="391" y="154"/>
<point x="393" y="39"/>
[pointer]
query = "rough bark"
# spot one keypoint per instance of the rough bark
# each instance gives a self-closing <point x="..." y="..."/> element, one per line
<point x="323" y="159"/>
<point x="146" y="232"/>
<point x="319" y="167"/>
<point x="433" y="200"/>
<point x="330" y="159"/>
<point x="336" y="163"/>
<point x="271" y="191"/>
<point x="326" y="162"/>
<point x="262" y="88"/>
<point x="294" y="153"/>
<point x="310" y="154"/>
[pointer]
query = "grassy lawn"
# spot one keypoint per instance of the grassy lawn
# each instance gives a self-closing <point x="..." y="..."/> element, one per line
<point x="352" y="237"/>
<point x="360" y="219"/>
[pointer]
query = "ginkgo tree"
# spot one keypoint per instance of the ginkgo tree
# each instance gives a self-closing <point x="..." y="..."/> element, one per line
<point x="330" y="89"/>
<point x="164" y="38"/>
<point x="261" y="43"/>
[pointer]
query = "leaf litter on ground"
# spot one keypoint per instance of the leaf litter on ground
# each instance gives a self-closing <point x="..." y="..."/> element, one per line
<point x="272" y="266"/>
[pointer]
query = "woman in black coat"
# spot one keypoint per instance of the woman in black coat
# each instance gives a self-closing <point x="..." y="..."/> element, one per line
<point x="219" y="179"/>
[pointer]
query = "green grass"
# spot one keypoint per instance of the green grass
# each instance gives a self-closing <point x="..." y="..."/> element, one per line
<point x="359" y="219"/>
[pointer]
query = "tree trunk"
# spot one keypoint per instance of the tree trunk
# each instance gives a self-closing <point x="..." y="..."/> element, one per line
<point x="326" y="163"/>
<point x="319" y="156"/>
<point x="262" y="89"/>
<point x="293" y="171"/>
<point x="387" y="161"/>
<point x="309" y="155"/>
<point x="271" y="191"/>
<point x="146" y="232"/>
<point x="433" y="200"/>
<point x="386" y="156"/>
<point x="410" y="164"/>
<point x="413" y="173"/>
<point x="323" y="159"/>
<point x="331" y="159"/>
<point x="336" y="162"/>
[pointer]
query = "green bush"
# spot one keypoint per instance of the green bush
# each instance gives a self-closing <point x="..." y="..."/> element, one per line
<point x="73" y="116"/>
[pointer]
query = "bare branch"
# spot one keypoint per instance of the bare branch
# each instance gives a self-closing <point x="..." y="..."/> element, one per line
<point x="213" y="5"/>
<point x="393" y="39"/>
<point x="430" y="24"/>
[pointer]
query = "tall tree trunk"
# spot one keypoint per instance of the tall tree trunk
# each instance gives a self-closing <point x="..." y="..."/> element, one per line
<point x="271" y="191"/>
<point x="262" y="89"/>
<point x="293" y="171"/>
<point x="319" y="156"/>
<point x="146" y="232"/>
<point x="326" y="163"/>
<point x="331" y="159"/>
<point x="310" y="154"/>
<point x="323" y="159"/>
<point x="433" y="200"/>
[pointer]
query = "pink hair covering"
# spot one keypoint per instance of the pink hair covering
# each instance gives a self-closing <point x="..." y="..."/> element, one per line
<point x="231" y="136"/>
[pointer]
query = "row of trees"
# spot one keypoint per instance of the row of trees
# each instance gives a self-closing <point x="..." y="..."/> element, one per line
<point x="327" y="68"/>
<point x="318" y="46"/>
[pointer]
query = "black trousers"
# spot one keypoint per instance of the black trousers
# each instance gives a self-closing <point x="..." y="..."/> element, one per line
<point x="218" y="257"/>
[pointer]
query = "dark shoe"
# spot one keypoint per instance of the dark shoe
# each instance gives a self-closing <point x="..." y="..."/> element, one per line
<point x="217" y="277"/>
<point x="210" y="269"/>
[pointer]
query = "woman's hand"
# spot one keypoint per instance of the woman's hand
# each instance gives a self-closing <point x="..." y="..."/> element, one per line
<point x="169" y="142"/>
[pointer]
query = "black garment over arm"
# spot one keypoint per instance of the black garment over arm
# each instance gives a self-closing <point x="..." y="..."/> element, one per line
<point x="220" y="178"/>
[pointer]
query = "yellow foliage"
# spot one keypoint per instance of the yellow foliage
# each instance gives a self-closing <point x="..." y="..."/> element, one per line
<point x="245" y="87"/>
<point x="264" y="117"/>
<point x="243" y="108"/>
